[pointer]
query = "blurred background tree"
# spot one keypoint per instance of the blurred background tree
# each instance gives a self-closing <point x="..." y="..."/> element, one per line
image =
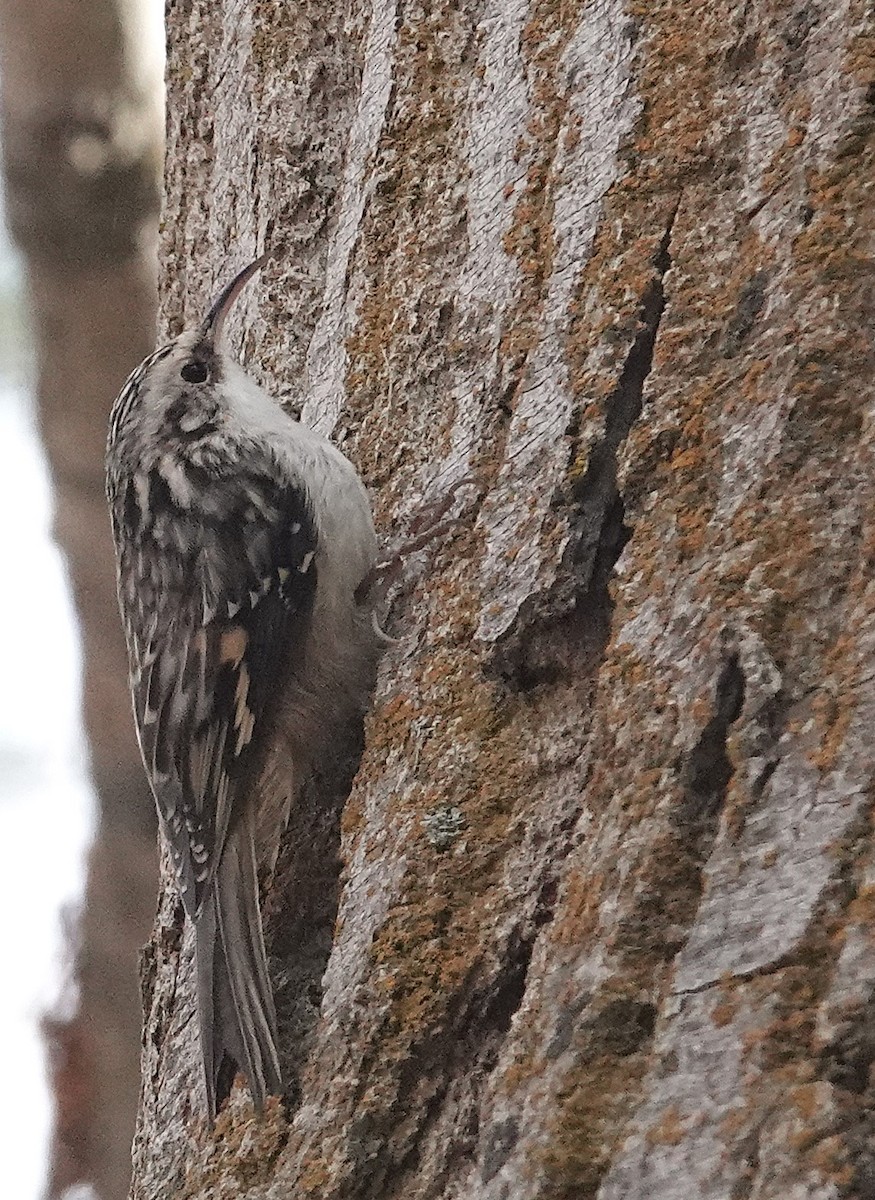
<point x="82" y="139"/>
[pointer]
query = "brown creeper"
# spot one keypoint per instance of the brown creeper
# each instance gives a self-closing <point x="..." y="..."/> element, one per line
<point x="241" y="539"/>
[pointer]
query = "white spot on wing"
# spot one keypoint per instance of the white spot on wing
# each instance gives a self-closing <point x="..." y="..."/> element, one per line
<point x="175" y="476"/>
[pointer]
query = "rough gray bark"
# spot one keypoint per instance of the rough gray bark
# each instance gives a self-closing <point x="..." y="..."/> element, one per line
<point x="81" y="143"/>
<point x="594" y="917"/>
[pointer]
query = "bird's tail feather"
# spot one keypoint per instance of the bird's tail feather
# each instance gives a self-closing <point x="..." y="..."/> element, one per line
<point x="235" y="1000"/>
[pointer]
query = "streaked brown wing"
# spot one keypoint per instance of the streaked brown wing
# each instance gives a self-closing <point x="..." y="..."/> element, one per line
<point x="205" y="690"/>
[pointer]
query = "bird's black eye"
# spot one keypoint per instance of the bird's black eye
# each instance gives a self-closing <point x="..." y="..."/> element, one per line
<point x="194" y="372"/>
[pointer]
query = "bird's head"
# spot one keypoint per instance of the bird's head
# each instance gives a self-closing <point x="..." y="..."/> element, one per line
<point x="198" y="353"/>
<point x="180" y="388"/>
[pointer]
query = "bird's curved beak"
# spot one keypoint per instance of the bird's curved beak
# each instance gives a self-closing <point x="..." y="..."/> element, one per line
<point x="211" y="330"/>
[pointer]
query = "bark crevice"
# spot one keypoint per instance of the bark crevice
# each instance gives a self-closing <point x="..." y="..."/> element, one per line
<point x="708" y="769"/>
<point x="561" y="634"/>
<point x="600" y="533"/>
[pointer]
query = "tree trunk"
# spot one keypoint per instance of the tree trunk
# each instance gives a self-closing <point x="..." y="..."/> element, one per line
<point x="594" y="917"/>
<point x="81" y="140"/>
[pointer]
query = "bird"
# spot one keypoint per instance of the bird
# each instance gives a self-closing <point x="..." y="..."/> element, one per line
<point x="245" y="549"/>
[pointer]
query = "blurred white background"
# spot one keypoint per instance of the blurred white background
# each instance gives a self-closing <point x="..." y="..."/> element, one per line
<point x="45" y="804"/>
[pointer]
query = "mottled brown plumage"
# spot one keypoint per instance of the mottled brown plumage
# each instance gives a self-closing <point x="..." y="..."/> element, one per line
<point x="241" y="538"/>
